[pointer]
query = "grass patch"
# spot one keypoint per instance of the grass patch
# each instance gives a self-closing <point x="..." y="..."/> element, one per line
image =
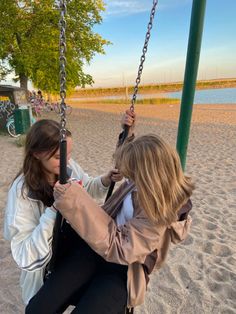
<point x="157" y="101"/>
<point x="120" y="101"/>
<point x="20" y="141"/>
<point x="3" y="132"/>
<point x="153" y="88"/>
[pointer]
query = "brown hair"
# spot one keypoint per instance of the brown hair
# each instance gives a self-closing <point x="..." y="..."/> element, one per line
<point x="43" y="136"/>
<point x="155" y="168"/>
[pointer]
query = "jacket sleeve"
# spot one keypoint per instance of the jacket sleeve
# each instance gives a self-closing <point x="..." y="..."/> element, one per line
<point x="92" y="185"/>
<point x="29" y="233"/>
<point x="180" y="229"/>
<point x="126" y="244"/>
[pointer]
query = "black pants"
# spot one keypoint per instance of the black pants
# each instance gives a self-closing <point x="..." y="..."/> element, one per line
<point x="85" y="280"/>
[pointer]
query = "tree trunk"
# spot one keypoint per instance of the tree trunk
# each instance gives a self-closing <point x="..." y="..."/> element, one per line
<point x="23" y="81"/>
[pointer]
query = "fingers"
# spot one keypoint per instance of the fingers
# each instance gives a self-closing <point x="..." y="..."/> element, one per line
<point x="60" y="189"/>
<point x="129" y="118"/>
<point x="130" y="113"/>
<point x="116" y="176"/>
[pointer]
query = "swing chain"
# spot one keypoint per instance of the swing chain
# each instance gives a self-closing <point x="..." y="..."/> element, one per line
<point x="62" y="63"/>
<point x="142" y="59"/>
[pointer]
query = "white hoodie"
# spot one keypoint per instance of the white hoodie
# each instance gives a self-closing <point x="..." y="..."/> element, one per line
<point x="28" y="225"/>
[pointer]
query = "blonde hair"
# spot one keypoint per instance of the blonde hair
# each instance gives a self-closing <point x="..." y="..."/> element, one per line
<point x="155" y="168"/>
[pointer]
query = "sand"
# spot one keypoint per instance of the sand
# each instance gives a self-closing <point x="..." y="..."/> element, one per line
<point x="200" y="274"/>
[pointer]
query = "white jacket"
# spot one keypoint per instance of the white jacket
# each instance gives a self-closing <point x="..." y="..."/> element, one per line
<point x="28" y="225"/>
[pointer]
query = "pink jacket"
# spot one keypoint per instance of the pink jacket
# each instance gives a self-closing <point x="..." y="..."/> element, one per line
<point x="140" y="244"/>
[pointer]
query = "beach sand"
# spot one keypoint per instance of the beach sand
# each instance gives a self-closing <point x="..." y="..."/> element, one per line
<point x="199" y="275"/>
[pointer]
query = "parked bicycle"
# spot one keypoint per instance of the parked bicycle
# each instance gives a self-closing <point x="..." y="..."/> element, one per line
<point x="39" y="106"/>
<point x="10" y="125"/>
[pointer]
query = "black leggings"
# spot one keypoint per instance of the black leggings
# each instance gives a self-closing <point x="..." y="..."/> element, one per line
<point x="85" y="280"/>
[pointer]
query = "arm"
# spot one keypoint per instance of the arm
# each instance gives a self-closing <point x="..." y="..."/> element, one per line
<point x="93" y="185"/>
<point x="124" y="245"/>
<point x="29" y="233"/>
<point x="97" y="187"/>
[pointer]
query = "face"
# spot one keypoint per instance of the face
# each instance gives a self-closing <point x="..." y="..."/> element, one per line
<point x="52" y="164"/>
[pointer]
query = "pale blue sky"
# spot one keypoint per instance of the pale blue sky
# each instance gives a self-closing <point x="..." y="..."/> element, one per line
<point x="125" y="24"/>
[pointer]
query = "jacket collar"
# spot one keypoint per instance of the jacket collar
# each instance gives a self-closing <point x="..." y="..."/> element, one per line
<point x="114" y="203"/>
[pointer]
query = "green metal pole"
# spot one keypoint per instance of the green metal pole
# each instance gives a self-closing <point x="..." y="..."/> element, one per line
<point x="190" y="76"/>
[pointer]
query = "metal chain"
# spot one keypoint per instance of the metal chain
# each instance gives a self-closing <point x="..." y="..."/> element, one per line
<point x="62" y="63"/>
<point x="142" y="59"/>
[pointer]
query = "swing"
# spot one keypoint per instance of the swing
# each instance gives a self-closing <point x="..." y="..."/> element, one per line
<point x="63" y="143"/>
<point x="137" y="81"/>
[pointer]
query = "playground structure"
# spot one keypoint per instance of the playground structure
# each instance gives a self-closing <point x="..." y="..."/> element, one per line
<point x="190" y="77"/>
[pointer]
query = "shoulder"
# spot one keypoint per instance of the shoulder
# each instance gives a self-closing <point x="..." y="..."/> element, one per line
<point x="17" y="186"/>
<point x="76" y="169"/>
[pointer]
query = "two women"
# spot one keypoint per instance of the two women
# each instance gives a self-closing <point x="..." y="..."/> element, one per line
<point x="116" y="246"/>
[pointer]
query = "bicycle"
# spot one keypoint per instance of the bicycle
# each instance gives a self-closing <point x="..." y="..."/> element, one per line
<point x="10" y="125"/>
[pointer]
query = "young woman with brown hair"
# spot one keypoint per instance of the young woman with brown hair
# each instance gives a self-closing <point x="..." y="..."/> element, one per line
<point x="29" y="215"/>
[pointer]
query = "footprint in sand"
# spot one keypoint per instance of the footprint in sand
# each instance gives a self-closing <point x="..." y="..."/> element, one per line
<point x="217" y="249"/>
<point x="211" y="226"/>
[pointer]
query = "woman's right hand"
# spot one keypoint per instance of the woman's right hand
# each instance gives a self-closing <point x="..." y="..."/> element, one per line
<point x="59" y="189"/>
<point x="129" y="119"/>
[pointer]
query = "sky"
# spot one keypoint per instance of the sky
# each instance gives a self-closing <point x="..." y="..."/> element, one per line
<point x="125" y="25"/>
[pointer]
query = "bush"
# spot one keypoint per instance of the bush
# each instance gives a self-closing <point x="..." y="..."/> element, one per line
<point x="20" y="141"/>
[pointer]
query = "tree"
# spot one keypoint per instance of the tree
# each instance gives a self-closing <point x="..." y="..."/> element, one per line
<point x="29" y="41"/>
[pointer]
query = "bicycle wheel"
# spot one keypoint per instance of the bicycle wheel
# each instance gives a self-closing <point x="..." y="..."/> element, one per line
<point x="11" y="129"/>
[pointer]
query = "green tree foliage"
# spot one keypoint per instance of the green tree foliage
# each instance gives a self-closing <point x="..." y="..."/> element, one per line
<point x="29" y="41"/>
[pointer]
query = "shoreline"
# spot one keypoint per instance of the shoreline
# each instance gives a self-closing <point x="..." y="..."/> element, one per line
<point x="161" y="88"/>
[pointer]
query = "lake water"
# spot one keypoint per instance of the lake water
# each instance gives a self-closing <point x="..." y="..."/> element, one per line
<point x="205" y="96"/>
<point x="211" y="96"/>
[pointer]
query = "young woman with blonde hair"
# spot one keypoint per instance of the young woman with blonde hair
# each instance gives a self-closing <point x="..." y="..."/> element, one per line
<point x="130" y="233"/>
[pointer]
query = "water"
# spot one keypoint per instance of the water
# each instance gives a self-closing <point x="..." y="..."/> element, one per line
<point x="211" y="96"/>
<point x="206" y="96"/>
